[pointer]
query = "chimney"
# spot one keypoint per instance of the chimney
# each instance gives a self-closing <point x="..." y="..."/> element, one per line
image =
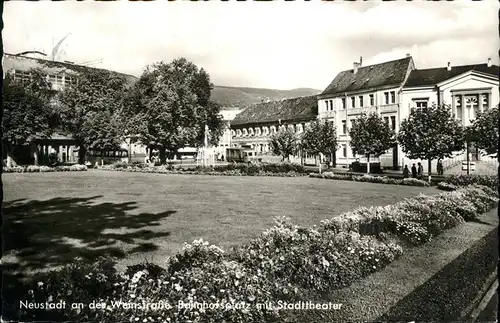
<point x="449" y="66"/>
<point x="489" y="62"/>
<point x="360" y="61"/>
<point x="356" y="65"/>
<point x="408" y="55"/>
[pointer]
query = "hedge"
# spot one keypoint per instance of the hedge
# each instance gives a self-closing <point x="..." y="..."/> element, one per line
<point x="263" y="169"/>
<point x="283" y="263"/>
<point x="465" y="180"/>
<point x="44" y="169"/>
<point x="371" y="179"/>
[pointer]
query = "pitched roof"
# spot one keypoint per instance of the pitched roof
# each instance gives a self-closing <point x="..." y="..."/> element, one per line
<point x="432" y="76"/>
<point x="373" y="76"/>
<point x="301" y="108"/>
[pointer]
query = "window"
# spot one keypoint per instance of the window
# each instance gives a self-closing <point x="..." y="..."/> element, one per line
<point x="344" y="150"/>
<point x="372" y="100"/>
<point x="420" y="103"/>
<point x="386" y="120"/>
<point x="353" y="102"/>
<point x="386" y="97"/>
<point x="393" y="96"/>
<point x="361" y="101"/>
<point x="344" y="127"/>
<point x="393" y="122"/>
<point x="485" y="101"/>
<point x="343" y="103"/>
<point x="472" y="106"/>
<point x="326" y="105"/>
<point x="22" y="76"/>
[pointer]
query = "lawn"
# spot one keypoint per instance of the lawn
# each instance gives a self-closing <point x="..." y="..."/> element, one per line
<point x="51" y="218"/>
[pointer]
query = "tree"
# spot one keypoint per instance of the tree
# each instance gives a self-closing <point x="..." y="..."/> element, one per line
<point x="171" y="106"/>
<point x="28" y="114"/>
<point x="91" y="110"/>
<point x="430" y="133"/>
<point x="320" y="137"/>
<point x="370" y="136"/>
<point x="284" y="143"/>
<point x="484" y="131"/>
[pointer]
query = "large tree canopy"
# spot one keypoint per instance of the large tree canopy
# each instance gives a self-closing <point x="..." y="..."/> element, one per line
<point x="371" y="136"/>
<point x="90" y="111"/>
<point x="431" y="133"/>
<point x="170" y="107"/>
<point x="284" y="143"/>
<point x="484" y="131"/>
<point x="320" y="137"/>
<point x="28" y="113"/>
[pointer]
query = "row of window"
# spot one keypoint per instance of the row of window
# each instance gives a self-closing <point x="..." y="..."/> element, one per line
<point x="265" y="130"/>
<point x="386" y="119"/>
<point x="60" y="80"/>
<point x="359" y="101"/>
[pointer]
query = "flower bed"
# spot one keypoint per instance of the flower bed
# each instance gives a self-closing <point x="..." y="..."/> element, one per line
<point x="371" y="179"/>
<point x="465" y="180"/>
<point x="277" y="169"/>
<point x="44" y="169"/>
<point x="446" y="186"/>
<point x="281" y="264"/>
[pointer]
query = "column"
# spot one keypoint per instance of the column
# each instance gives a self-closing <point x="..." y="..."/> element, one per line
<point x="453" y="107"/>
<point x="462" y="104"/>
<point x="480" y="103"/>
<point x="35" y="154"/>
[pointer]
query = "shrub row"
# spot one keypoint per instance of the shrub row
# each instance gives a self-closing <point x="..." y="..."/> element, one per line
<point x="371" y="179"/>
<point x="465" y="180"/>
<point x="44" y="169"/>
<point x="279" y="169"/>
<point x="416" y="220"/>
<point x="281" y="264"/>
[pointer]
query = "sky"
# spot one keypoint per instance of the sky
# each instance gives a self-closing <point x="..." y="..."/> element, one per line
<point x="279" y="45"/>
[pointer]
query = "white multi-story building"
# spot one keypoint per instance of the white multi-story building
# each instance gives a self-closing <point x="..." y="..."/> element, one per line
<point x="364" y="89"/>
<point x="393" y="88"/>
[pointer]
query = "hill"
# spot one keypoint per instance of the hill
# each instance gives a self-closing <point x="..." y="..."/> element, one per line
<point x="240" y="97"/>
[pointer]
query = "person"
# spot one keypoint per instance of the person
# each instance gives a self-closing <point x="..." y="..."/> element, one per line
<point x="420" y="170"/>
<point x="413" y="171"/>
<point x="406" y="172"/>
<point x="146" y="160"/>
<point x="440" y="167"/>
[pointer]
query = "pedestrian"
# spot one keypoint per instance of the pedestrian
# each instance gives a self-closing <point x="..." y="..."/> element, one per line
<point x="406" y="172"/>
<point x="440" y="167"/>
<point x="413" y="171"/>
<point x="420" y="171"/>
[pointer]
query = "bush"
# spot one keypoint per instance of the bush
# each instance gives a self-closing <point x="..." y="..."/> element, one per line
<point x="466" y="180"/>
<point x="414" y="182"/>
<point x="282" y="263"/>
<point x="44" y="169"/>
<point x="281" y="170"/>
<point x="416" y="220"/>
<point x="446" y="186"/>
<point x="371" y="179"/>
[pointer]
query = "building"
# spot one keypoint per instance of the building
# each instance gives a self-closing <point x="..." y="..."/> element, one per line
<point x="363" y="89"/>
<point x="253" y="126"/>
<point x="226" y="139"/>
<point x="393" y="88"/>
<point x="59" y="74"/>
